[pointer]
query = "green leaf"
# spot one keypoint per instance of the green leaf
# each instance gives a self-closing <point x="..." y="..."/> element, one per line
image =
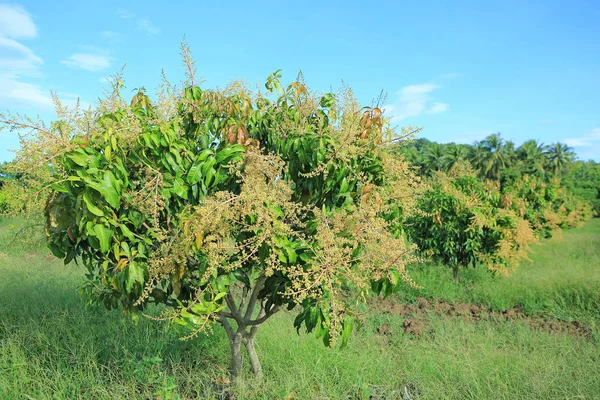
<point x="113" y="142"/>
<point x="106" y="189"/>
<point x="328" y="100"/>
<point x="314" y="317"/>
<point x="103" y="234"/>
<point x="230" y="154"/>
<point x="59" y="187"/>
<point x="108" y="152"/>
<point x="298" y="321"/>
<point x="172" y="162"/>
<point x="306" y="257"/>
<point x="135" y="273"/>
<point x="281" y="255"/>
<point x="194" y="174"/>
<point x="221" y="284"/>
<point x="179" y="188"/>
<point x="209" y="177"/>
<point x="89" y="202"/>
<point x="200" y="308"/>
<point x="219" y="296"/>
<point x="242" y="276"/>
<point x="394" y="277"/>
<point x="204" y="154"/>
<point x="291" y="254"/>
<point x="80" y="157"/>
<point x="344" y="186"/>
<point x="126" y="232"/>
<point x="207" y="165"/>
<point x="347" y="327"/>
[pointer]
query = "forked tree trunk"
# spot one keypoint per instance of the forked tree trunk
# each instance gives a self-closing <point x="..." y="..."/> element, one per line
<point x="246" y="329"/>
<point x="245" y="337"/>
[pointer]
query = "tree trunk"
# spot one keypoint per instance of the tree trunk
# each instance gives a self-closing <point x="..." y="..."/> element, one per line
<point x="455" y="272"/>
<point x="253" y="357"/>
<point x="235" y="368"/>
<point x="246" y="329"/>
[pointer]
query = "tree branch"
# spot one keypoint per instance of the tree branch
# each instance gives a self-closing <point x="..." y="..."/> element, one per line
<point x="234" y="309"/>
<point x="21" y="230"/>
<point x="227" y="314"/>
<point x="263" y="316"/>
<point x="398" y="138"/>
<point x="13" y="123"/>
<point x="252" y="303"/>
<point x="244" y="295"/>
<point x="226" y="325"/>
<point x="254" y="328"/>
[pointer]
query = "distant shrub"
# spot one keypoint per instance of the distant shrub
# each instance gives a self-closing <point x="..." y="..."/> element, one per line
<point x="545" y="205"/>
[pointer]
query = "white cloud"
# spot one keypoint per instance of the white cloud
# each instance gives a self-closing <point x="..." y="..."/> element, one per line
<point x="16" y="23"/>
<point x="414" y="100"/>
<point x="15" y="91"/>
<point x="586" y="146"/>
<point x="88" y="61"/>
<point x="141" y="24"/>
<point x="148" y="27"/>
<point x="18" y="61"/>
<point x="17" y="58"/>
<point x="18" y="64"/>
<point x="577" y="142"/>
<point x="590" y="139"/>
<point x="437" y="108"/>
<point x="123" y="13"/>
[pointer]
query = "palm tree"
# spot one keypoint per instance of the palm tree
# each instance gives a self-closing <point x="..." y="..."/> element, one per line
<point x="454" y="155"/>
<point x="532" y="158"/>
<point x="497" y="159"/>
<point x="559" y="155"/>
<point x="433" y="158"/>
<point x="479" y="154"/>
<point x="510" y="153"/>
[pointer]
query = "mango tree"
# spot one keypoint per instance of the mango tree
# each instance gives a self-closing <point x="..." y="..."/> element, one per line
<point x="229" y="205"/>
<point x="462" y="224"/>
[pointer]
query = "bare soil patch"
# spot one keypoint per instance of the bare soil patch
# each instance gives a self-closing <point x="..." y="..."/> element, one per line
<point x="417" y="314"/>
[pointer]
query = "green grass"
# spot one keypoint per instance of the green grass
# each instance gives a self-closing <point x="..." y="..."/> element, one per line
<point x="51" y="346"/>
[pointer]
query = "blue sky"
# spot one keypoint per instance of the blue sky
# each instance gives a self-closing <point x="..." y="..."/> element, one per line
<point x="461" y="70"/>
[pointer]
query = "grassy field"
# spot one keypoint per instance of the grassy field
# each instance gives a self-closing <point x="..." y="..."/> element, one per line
<point x="51" y="346"/>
